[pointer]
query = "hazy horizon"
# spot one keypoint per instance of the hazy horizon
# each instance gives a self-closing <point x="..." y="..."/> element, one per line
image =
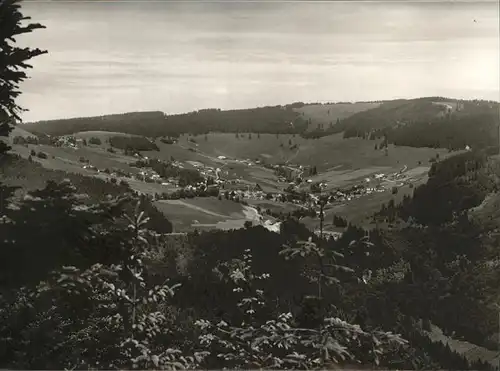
<point x="114" y="57"/>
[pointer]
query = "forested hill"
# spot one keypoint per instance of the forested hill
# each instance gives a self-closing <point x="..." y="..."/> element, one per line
<point x="429" y="122"/>
<point x="424" y="122"/>
<point x="394" y="112"/>
<point x="452" y="256"/>
<point x="456" y="184"/>
<point x="403" y="112"/>
<point x="132" y="123"/>
<point x="276" y="119"/>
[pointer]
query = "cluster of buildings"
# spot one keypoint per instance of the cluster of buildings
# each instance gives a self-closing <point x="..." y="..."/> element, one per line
<point x="67" y="141"/>
<point x="207" y="171"/>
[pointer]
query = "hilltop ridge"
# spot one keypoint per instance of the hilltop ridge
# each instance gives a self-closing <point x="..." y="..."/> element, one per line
<point x="421" y="122"/>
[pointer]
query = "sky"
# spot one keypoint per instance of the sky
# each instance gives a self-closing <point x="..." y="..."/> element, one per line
<point x="119" y="56"/>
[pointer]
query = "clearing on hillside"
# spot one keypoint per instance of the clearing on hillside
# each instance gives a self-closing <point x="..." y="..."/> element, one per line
<point x="103" y="135"/>
<point x="205" y="213"/>
<point x="326" y="114"/>
<point x="19" y="131"/>
<point x="324" y="153"/>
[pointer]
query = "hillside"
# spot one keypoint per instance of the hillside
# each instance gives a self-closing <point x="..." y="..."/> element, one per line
<point x="294" y="118"/>
<point x="244" y="160"/>
<point x="325" y="153"/>
<point x="323" y="116"/>
<point x="206" y="213"/>
<point x="429" y="122"/>
<point x="156" y="124"/>
<point x="130" y="123"/>
<point x="424" y="122"/>
<point x="454" y="184"/>
<point x="19" y="130"/>
<point x="391" y="113"/>
<point x="456" y="132"/>
<point x="28" y="176"/>
<point x="103" y="135"/>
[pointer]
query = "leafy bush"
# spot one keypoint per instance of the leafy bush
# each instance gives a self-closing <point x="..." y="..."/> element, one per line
<point x="278" y="343"/>
<point x="103" y="316"/>
<point x="42" y="155"/>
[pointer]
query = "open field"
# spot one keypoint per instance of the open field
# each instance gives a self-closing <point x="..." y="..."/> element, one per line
<point x="342" y="178"/>
<point x="67" y="159"/>
<point x="252" y="175"/>
<point x="324" y="153"/>
<point x="182" y="153"/>
<point x="212" y="213"/>
<point x="103" y="135"/>
<point x="205" y="213"/>
<point x="340" y="162"/>
<point x="284" y="207"/>
<point x="360" y="210"/>
<point x="19" y="131"/>
<point x="329" y="113"/>
<point x="64" y="158"/>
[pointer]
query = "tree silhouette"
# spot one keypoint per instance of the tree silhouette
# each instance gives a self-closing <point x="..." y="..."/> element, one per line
<point x="13" y="63"/>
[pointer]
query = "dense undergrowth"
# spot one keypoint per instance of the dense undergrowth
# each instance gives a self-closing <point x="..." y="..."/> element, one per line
<point x="94" y="295"/>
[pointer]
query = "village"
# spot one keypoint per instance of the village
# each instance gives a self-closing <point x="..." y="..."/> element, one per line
<point x="191" y="179"/>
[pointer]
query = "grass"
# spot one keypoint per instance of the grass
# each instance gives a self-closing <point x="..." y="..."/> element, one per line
<point x="183" y="217"/>
<point x="223" y="207"/>
<point x="359" y="211"/>
<point x="67" y="159"/>
<point x="324" y="153"/>
<point x="201" y="213"/>
<point x="341" y="162"/>
<point x="329" y="113"/>
<point x="252" y="175"/>
<point x="18" y="131"/>
<point x="283" y="207"/>
<point x="103" y="135"/>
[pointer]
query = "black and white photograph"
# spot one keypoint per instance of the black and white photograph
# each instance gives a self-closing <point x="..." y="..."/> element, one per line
<point x="249" y="184"/>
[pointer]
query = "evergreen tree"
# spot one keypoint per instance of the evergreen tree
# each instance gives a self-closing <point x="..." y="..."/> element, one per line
<point x="13" y="63"/>
<point x="55" y="219"/>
